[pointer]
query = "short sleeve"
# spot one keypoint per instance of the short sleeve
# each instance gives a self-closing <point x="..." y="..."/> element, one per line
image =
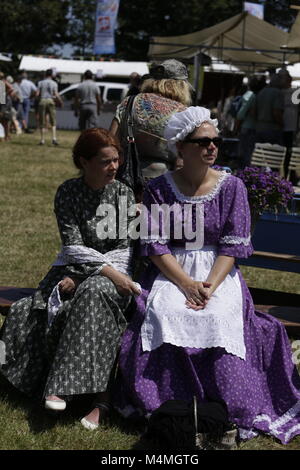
<point x="154" y="239"/>
<point x="235" y="238"/>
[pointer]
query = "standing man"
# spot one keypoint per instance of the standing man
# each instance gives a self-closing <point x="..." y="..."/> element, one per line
<point x="245" y="121"/>
<point x="87" y="102"/>
<point x="7" y="93"/>
<point x="135" y="83"/>
<point x="268" y="108"/>
<point x="290" y="117"/>
<point x="28" y="90"/>
<point x="48" y="92"/>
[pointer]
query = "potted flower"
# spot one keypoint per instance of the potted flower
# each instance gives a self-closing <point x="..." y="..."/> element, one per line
<point x="267" y="191"/>
<point x="277" y="231"/>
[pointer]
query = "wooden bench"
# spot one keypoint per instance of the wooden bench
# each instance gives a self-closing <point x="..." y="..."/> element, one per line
<point x="271" y="260"/>
<point x="10" y="294"/>
<point x="284" y="306"/>
<point x="276" y="240"/>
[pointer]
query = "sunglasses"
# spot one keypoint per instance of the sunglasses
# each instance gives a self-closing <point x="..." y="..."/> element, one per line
<point x="205" y="141"/>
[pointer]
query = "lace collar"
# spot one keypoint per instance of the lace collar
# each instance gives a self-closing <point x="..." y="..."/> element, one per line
<point x="205" y="197"/>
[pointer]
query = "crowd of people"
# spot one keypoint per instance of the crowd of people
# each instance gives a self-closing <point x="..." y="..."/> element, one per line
<point x="20" y="95"/>
<point x="192" y="330"/>
<point x="262" y="113"/>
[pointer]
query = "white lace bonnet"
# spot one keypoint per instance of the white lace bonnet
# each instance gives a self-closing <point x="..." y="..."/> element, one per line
<point x="182" y="124"/>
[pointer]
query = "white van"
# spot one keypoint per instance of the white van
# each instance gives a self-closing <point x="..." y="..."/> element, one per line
<point x="111" y="93"/>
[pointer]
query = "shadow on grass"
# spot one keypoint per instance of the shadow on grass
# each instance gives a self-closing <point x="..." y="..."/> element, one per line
<point x="38" y="419"/>
<point x="20" y="143"/>
<point x="131" y="426"/>
<point x="41" y="420"/>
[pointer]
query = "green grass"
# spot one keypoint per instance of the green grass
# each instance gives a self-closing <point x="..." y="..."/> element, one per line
<point x="29" y="239"/>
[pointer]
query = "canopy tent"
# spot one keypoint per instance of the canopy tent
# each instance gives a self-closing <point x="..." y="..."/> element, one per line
<point x="241" y="40"/>
<point x="72" y="70"/>
<point x="294" y="36"/>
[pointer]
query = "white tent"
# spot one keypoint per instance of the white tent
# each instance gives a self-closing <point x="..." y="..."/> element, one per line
<point x="4" y="58"/>
<point x="219" y="66"/>
<point x="72" y="70"/>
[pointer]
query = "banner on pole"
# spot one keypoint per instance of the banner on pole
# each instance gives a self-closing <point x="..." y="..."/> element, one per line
<point x="106" y="18"/>
<point x="256" y="9"/>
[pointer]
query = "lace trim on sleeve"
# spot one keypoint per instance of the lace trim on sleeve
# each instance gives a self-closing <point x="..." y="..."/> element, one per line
<point x="235" y="240"/>
<point x="161" y="241"/>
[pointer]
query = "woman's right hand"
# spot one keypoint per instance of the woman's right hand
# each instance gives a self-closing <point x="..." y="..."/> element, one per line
<point x="124" y="284"/>
<point x="196" y="293"/>
<point x="68" y="285"/>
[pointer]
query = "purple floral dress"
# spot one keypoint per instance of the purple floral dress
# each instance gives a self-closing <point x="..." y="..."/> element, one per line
<point x="262" y="390"/>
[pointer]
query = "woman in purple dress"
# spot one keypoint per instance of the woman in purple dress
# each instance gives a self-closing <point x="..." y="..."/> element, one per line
<point x="195" y="331"/>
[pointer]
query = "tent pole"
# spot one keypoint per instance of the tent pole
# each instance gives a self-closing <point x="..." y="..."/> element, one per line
<point x="221" y="45"/>
<point x="197" y="65"/>
<point x="244" y="32"/>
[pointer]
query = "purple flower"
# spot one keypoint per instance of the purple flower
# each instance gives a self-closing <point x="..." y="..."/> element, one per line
<point x="266" y="189"/>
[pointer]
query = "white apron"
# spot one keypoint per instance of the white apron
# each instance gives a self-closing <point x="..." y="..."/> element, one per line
<point x="219" y="324"/>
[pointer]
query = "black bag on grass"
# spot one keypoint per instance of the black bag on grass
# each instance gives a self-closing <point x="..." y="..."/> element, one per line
<point x="173" y="425"/>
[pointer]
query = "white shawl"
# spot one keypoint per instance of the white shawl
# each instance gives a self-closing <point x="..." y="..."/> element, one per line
<point x="119" y="259"/>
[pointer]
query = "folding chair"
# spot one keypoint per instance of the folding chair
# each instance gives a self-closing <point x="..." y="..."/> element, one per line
<point x="294" y="161"/>
<point x="268" y="155"/>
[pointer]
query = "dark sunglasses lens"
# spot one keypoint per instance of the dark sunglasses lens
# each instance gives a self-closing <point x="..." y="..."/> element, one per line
<point x="217" y="141"/>
<point x="206" y="141"/>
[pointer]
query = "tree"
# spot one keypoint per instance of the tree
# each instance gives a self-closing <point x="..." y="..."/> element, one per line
<point x="279" y="13"/>
<point x="82" y="25"/>
<point x="31" y="26"/>
<point x="139" y="20"/>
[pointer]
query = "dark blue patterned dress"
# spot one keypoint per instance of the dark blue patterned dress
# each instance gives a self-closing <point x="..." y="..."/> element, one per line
<point x="76" y="354"/>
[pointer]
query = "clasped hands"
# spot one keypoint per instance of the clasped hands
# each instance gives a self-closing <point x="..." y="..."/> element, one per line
<point x="197" y="294"/>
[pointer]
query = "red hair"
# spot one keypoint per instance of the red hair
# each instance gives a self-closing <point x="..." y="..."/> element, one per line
<point x="90" y="142"/>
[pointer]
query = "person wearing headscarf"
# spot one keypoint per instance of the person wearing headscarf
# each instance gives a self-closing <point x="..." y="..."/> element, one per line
<point x="165" y="91"/>
<point x="195" y="332"/>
